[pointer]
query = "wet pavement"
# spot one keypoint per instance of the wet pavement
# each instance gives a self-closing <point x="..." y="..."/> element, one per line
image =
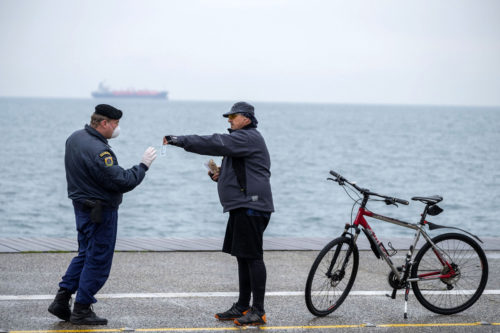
<point x="181" y="291"/>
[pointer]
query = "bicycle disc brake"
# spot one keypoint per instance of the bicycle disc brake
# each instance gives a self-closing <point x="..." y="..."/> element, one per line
<point x="336" y="277"/>
<point x="452" y="280"/>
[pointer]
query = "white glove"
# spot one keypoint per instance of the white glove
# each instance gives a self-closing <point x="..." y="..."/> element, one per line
<point x="149" y="156"/>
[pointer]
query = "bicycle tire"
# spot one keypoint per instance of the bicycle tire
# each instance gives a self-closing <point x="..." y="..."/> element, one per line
<point x="455" y="294"/>
<point x="323" y="294"/>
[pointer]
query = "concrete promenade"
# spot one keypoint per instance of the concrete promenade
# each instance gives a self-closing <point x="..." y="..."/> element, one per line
<point x="181" y="290"/>
<point x="45" y="244"/>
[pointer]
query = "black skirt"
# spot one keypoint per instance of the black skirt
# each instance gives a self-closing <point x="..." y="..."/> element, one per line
<point x="244" y="233"/>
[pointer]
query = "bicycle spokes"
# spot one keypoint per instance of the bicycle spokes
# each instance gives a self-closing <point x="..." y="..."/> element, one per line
<point x="451" y="285"/>
<point x="331" y="276"/>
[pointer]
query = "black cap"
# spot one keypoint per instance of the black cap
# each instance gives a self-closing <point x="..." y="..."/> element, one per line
<point x="240" y="107"/>
<point x="108" y="111"/>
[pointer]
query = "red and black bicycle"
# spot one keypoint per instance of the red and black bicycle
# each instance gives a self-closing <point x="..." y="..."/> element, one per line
<point x="447" y="275"/>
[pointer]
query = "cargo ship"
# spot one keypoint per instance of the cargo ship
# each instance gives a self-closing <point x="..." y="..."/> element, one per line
<point x="105" y="92"/>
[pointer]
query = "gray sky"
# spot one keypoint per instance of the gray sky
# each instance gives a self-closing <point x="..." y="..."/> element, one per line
<point x="393" y="51"/>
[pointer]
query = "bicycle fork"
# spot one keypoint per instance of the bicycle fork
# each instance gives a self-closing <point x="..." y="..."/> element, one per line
<point x="348" y="254"/>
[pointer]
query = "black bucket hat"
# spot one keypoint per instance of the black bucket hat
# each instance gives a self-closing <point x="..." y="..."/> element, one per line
<point x="240" y="107"/>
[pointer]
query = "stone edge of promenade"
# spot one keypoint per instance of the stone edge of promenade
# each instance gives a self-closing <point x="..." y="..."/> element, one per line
<point x="46" y="244"/>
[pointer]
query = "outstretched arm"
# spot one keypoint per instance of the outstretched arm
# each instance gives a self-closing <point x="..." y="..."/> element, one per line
<point x="234" y="144"/>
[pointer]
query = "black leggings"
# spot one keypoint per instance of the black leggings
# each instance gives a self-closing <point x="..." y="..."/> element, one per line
<point x="252" y="277"/>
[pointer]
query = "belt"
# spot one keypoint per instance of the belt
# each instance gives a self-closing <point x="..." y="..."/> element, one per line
<point x="253" y="212"/>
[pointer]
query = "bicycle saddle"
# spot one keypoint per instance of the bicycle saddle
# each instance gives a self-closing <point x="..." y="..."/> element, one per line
<point x="434" y="199"/>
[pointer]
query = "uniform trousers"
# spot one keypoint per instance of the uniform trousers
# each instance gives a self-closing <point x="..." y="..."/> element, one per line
<point x="90" y="269"/>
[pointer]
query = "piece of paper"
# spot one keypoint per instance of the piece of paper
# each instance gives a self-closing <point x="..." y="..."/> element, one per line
<point x="211" y="166"/>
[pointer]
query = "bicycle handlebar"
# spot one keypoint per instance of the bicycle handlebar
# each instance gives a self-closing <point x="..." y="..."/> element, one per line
<point x="401" y="201"/>
<point x="363" y="191"/>
<point x="334" y="174"/>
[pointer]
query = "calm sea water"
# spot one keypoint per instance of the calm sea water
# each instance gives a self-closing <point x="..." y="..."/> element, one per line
<point x="402" y="151"/>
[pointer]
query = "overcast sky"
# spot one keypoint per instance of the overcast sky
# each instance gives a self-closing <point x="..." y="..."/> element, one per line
<point x="394" y="51"/>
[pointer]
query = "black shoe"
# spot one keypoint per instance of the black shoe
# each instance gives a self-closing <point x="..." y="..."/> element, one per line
<point x="251" y="318"/>
<point x="232" y="313"/>
<point x="83" y="315"/>
<point x="61" y="306"/>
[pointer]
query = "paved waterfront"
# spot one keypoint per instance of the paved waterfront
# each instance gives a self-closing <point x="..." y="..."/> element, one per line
<point x="168" y="291"/>
<point x="45" y="244"/>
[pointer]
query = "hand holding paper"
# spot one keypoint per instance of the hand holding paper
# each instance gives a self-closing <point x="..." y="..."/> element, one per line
<point x="213" y="169"/>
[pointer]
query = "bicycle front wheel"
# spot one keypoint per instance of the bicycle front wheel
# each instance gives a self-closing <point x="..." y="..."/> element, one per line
<point x="331" y="276"/>
<point x="452" y="278"/>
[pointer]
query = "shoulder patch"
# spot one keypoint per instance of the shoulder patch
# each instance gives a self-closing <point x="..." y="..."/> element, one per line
<point x="108" y="161"/>
<point x="104" y="153"/>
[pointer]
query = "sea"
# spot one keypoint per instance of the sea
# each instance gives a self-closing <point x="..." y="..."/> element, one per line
<point x="396" y="150"/>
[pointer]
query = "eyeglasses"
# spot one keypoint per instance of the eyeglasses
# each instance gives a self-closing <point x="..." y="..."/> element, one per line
<point x="232" y="116"/>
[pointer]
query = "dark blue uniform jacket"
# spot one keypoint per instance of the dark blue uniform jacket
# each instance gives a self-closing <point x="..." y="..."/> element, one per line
<point x="92" y="170"/>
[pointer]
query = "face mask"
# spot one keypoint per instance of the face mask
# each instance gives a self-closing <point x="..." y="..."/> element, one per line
<point x="116" y="132"/>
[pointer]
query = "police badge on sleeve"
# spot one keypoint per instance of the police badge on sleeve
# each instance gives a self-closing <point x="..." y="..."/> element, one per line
<point x="108" y="159"/>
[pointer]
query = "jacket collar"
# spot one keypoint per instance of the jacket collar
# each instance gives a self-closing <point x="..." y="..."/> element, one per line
<point x="94" y="132"/>
<point x="247" y="127"/>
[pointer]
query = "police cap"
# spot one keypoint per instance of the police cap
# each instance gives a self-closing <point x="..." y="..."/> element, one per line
<point x="108" y="111"/>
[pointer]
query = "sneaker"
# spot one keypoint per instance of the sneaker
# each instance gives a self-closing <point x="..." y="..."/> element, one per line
<point x="61" y="306"/>
<point x="252" y="318"/>
<point x="231" y="314"/>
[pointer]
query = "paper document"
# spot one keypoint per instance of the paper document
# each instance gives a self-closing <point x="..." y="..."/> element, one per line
<point x="211" y="166"/>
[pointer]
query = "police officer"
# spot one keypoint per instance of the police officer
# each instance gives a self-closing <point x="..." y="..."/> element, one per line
<point x="96" y="184"/>
<point x="245" y="192"/>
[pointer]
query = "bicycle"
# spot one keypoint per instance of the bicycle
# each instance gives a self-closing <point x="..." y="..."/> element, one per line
<point x="447" y="275"/>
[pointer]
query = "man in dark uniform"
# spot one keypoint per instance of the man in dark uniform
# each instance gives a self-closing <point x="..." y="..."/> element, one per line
<point x="245" y="192"/>
<point x="96" y="184"/>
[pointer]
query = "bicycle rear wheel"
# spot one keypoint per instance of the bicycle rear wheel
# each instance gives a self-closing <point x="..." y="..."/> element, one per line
<point x="458" y="291"/>
<point x="331" y="276"/>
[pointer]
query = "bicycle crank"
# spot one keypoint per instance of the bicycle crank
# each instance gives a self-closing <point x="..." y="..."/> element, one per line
<point x="393" y="279"/>
<point x="394" y="282"/>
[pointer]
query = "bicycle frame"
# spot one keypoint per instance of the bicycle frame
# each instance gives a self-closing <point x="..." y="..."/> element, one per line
<point x="418" y="227"/>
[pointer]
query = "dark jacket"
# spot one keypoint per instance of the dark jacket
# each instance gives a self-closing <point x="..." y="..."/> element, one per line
<point x="249" y="147"/>
<point x="92" y="170"/>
